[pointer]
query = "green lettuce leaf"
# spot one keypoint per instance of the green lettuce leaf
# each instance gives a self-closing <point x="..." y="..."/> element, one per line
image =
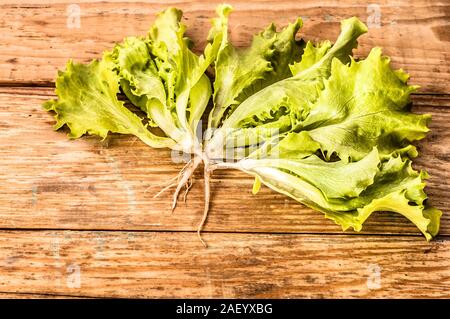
<point x="240" y="73"/>
<point x="87" y="103"/>
<point x="334" y="179"/>
<point x="162" y="76"/>
<point x="284" y="104"/>
<point x="311" y="55"/>
<point x="348" y="193"/>
<point x="363" y="105"/>
<point x="140" y="81"/>
<point x="182" y="69"/>
<point x="397" y="188"/>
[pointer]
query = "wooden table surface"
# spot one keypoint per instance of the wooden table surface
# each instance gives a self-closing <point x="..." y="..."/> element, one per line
<point x="78" y="218"/>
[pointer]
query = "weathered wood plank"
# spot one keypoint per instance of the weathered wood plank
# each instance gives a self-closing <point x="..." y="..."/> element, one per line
<point x="141" y="264"/>
<point x="47" y="181"/>
<point x="39" y="36"/>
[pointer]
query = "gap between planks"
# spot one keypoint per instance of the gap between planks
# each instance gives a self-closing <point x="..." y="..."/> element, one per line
<point x="444" y="237"/>
<point x="51" y="86"/>
<point x="32" y="295"/>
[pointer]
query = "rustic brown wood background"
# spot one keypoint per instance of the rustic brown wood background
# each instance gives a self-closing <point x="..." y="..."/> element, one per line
<point x="77" y="218"/>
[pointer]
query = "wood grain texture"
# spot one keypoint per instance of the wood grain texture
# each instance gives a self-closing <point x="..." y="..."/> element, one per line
<point x="78" y="218"/>
<point x="37" y="38"/>
<point x="137" y="265"/>
<point x="50" y="182"/>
